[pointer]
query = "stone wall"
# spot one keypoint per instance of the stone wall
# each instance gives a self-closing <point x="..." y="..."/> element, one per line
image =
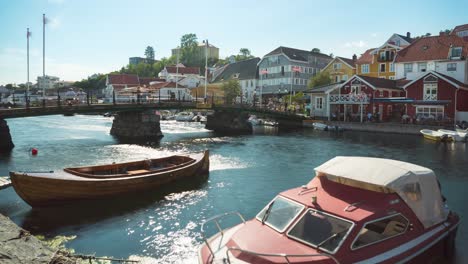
<point x="6" y="144"/>
<point x="229" y="122"/>
<point x="384" y="127"/>
<point x="137" y="125"/>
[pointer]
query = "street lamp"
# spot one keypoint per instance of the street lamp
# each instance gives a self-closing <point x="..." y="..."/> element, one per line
<point x="206" y="64"/>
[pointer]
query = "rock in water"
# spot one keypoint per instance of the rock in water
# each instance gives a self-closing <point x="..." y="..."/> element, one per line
<point x="6" y="144"/>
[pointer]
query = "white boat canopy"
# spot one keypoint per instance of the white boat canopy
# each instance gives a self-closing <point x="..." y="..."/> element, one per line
<point x="416" y="185"/>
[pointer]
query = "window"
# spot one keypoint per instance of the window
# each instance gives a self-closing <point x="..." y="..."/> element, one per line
<point x="391" y="77"/>
<point x="392" y="67"/>
<point x="422" y="67"/>
<point x="380" y="230"/>
<point x="337" y="66"/>
<point x="318" y="103"/>
<point x="382" y="67"/>
<point x="279" y="213"/>
<point x="321" y="230"/>
<point x="408" y="67"/>
<point x="451" y="67"/>
<point x="382" y="55"/>
<point x="344" y="77"/>
<point x="337" y="78"/>
<point x="456" y="53"/>
<point x="430" y="91"/>
<point x="430" y="112"/>
<point x="365" y="68"/>
<point x="381" y="94"/>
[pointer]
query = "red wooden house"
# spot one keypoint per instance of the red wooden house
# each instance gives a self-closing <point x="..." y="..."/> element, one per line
<point x="437" y="96"/>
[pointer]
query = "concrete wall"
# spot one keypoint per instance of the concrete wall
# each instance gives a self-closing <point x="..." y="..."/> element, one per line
<point x="384" y="127"/>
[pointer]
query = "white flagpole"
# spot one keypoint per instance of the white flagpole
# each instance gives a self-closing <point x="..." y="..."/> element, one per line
<point x="43" y="59"/>
<point x="290" y="92"/>
<point x="177" y="69"/>
<point x="206" y="66"/>
<point x="27" y="84"/>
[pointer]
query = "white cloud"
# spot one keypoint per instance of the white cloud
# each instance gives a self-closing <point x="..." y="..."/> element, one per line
<point x="356" y="44"/>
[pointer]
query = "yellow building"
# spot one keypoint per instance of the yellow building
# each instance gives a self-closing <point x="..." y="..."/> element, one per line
<point x="340" y="69"/>
<point x="378" y="62"/>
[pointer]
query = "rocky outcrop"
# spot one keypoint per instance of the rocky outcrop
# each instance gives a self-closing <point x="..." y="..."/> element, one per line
<point x="229" y="122"/>
<point x="137" y="126"/>
<point x="6" y="144"/>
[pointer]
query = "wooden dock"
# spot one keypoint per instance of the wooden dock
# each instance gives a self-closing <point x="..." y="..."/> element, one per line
<point x="5" y="182"/>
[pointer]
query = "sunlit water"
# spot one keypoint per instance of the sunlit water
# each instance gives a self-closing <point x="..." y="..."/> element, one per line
<point x="245" y="173"/>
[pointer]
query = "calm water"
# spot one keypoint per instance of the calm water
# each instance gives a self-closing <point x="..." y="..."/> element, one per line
<point x="246" y="172"/>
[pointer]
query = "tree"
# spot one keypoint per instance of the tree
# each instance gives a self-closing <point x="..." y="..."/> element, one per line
<point x="149" y="53"/>
<point x="231" y="90"/>
<point x="322" y="78"/>
<point x="315" y="50"/>
<point x="9" y="86"/>
<point x="331" y="55"/>
<point x="190" y="54"/>
<point x="245" y="52"/>
<point x="188" y="40"/>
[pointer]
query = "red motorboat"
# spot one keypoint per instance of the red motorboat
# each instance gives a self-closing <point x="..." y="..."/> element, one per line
<point x="356" y="210"/>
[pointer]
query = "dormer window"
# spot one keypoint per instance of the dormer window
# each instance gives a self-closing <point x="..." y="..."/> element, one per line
<point x="456" y="52"/>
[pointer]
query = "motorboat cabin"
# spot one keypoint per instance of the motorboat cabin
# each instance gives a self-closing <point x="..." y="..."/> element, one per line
<point x="356" y="210"/>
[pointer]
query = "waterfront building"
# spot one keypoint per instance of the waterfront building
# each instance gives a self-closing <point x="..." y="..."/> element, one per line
<point x="245" y="72"/>
<point x="212" y="51"/>
<point x="379" y="62"/>
<point x="187" y="76"/>
<point x="118" y="82"/>
<point x="137" y="60"/>
<point x="288" y="70"/>
<point x="340" y="68"/>
<point x="357" y="97"/>
<point x="49" y="82"/>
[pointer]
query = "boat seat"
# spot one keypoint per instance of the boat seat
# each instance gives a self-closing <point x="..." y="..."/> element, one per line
<point x="394" y="228"/>
<point x="133" y="172"/>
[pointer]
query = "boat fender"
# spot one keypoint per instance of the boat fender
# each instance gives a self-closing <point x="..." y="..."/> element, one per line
<point x="34" y="151"/>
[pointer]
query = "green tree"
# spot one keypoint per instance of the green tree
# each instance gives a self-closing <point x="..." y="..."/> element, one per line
<point x="149" y="53"/>
<point x="189" y="52"/>
<point x="231" y="90"/>
<point x="9" y="86"/>
<point x="315" y="50"/>
<point x="322" y="78"/>
<point x="245" y="52"/>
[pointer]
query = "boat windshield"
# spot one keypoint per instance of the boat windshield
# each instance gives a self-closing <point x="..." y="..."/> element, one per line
<point x="279" y="213"/>
<point x="321" y="230"/>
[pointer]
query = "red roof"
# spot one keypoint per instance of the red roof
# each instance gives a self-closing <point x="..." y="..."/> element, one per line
<point x="183" y="70"/>
<point x="459" y="28"/>
<point x="431" y="48"/>
<point x="146" y="80"/>
<point x="366" y="57"/>
<point x="165" y="85"/>
<point x="130" y="79"/>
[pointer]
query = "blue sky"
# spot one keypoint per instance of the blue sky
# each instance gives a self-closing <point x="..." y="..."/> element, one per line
<point x="86" y="36"/>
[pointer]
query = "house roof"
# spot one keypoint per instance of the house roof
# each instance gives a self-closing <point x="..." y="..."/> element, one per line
<point x="451" y="80"/>
<point x="183" y="70"/>
<point x="431" y="48"/>
<point x="130" y="79"/>
<point x="165" y="85"/>
<point x="409" y="40"/>
<point x="146" y="80"/>
<point x="366" y="57"/>
<point x="375" y="82"/>
<point x="246" y="69"/>
<point x="459" y="28"/>
<point x="325" y="88"/>
<point x="350" y="62"/>
<point x="296" y="54"/>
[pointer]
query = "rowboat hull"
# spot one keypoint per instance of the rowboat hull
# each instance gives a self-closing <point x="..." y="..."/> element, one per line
<point x="435" y="135"/>
<point x="44" y="190"/>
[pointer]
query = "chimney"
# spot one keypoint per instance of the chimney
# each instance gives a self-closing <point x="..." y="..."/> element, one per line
<point x="408" y="34"/>
<point x="354" y="57"/>
<point x="441" y="33"/>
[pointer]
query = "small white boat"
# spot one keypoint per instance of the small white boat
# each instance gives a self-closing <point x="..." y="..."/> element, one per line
<point x="457" y="136"/>
<point x="166" y="115"/>
<point x="254" y="120"/>
<point x="435" y="135"/>
<point x="458" y="129"/>
<point x="270" y="123"/>
<point x="184" y="116"/>
<point x="199" y="118"/>
<point x="320" y="126"/>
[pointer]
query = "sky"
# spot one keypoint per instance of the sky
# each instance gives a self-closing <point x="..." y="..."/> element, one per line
<point x="84" y="37"/>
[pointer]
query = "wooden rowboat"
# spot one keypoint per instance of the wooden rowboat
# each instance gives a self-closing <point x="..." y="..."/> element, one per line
<point x="94" y="182"/>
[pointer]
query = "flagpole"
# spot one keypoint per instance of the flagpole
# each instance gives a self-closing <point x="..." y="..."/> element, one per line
<point x="206" y="65"/>
<point x="43" y="60"/>
<point x="290" y="91"/>
<point x="177" y="69"/>
<point x="27" y="84"/>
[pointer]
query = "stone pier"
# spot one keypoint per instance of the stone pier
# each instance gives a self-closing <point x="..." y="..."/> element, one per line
<point x="137" y="125"/>
<point x="6" y="144"/>
<point x="229" y="122"/>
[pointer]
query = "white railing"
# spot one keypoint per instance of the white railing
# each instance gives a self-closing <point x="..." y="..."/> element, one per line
<point x="430" y="97"/>
<point x="349" y="99"/>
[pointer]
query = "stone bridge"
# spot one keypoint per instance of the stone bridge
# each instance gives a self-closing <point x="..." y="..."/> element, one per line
<point x="139" y="121"/>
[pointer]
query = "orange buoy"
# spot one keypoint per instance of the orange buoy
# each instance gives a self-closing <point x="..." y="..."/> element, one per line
<point x="34" y="151"/>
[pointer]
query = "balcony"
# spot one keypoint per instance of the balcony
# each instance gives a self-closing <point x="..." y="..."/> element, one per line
<point x="349" y="99"/>
<point x="430" y="97"/>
